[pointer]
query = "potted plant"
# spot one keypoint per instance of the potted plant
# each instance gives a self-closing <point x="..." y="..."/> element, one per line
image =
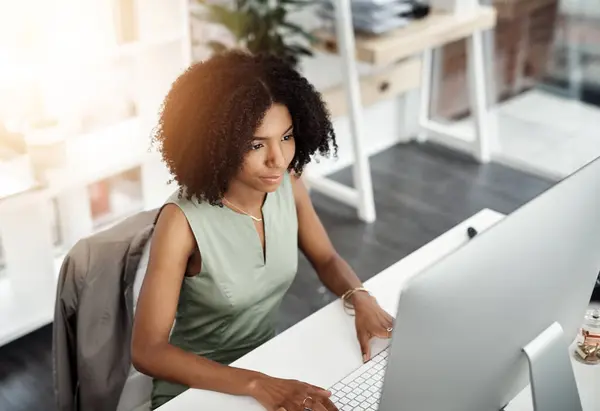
<point x="262" y="26"/>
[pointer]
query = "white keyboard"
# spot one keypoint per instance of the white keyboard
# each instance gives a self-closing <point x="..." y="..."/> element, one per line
<point x="361" y="390"/>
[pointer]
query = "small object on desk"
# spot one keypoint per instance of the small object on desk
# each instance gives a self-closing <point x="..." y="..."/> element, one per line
<point x="596" y="292"/>
<point x="371" y="17"/>
<point x="587" y="349"/>
<point x="420" y="11"/>
<point x="588" y="354"/>
<point x="471" y="232"/>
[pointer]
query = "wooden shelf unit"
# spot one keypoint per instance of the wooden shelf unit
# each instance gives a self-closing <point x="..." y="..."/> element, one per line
<point x="395" y="49"/>
<point x="433" y="31"/>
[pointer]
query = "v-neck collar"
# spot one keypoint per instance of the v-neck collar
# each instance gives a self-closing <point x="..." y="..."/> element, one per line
<point x="265" y="223"/>
<point x="264" y="252"/>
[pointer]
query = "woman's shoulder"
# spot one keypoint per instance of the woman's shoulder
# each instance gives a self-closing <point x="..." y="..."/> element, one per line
<point x="173" y="225"/>
<point x="188" y="205"/>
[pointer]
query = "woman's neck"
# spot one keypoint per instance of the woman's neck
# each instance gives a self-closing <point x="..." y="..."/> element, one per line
<point x="244" y="197"/>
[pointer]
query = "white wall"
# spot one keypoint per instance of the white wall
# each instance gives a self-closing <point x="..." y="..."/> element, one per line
<point x="384" y="122"/>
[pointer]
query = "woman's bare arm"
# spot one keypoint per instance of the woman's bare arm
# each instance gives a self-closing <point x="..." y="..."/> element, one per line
<point x="172" y="245"/>
<point x="333" y="271"/>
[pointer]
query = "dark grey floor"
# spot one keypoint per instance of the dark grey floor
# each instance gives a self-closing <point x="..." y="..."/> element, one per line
<point x="420" y="192"/>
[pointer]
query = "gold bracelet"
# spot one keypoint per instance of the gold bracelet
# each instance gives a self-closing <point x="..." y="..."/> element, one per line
<point x="346" y="296"/>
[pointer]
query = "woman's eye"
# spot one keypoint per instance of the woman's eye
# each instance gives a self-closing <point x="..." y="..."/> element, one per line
<point x="256" y="146"/>
<point x="288" y="137"/>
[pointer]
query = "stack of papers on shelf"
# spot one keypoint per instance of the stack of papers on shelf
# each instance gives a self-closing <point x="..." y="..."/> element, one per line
<point x="372" y="16"/>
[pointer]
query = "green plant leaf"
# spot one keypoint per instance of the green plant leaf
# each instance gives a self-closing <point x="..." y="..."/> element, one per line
<point x="299" y="30"/>
<point x="278" y="15"/>
<point x="261" y="27"/>
<point x="300" y="50"/>
<point x="234" y="20"/>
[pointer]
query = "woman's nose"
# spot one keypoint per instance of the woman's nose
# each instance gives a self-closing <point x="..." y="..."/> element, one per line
<point x="276" y="158"/>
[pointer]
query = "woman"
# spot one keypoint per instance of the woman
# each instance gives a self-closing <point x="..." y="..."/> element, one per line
<point x="236" y="132"/>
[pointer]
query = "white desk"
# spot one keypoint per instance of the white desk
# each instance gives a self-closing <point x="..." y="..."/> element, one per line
<point x="322" y="348"/>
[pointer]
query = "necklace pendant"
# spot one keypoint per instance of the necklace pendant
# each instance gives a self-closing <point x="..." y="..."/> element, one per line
<point x="242" y="211"/>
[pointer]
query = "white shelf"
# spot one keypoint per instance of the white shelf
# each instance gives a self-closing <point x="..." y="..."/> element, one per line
<point x="151" y="64"/>
<point x="100" y="154"/>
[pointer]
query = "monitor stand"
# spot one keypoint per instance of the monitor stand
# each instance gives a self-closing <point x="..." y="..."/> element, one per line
<point x="553" y="386"/>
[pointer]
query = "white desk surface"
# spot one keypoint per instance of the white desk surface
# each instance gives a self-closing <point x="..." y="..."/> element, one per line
<point x="322" y="349"/>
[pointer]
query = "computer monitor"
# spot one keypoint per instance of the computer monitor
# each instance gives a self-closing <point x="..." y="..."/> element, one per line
<point x="475" y="326"/>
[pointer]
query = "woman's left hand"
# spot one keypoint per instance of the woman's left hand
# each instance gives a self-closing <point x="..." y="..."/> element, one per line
<point x="371" y="321"/>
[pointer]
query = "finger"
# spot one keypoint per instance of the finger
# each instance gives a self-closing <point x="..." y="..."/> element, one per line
<point x="309" y="399"/>
<point x="381" y="330"/>
<point x="291" y="406"/>
<point x="390" y="328"/>
<point x="329" y="405"/>
<point x="389" y="318"/>
<point x="319" y="407"/>
<point x="313" y="390"/>
<point x="386" y="325"/>
<point x="364" y="339"/>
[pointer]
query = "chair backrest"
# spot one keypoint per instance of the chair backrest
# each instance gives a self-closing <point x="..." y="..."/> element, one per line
<point x="138" y="387"/>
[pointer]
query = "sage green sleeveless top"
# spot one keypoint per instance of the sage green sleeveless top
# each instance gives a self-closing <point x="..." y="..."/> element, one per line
<point x="230" y="307"/>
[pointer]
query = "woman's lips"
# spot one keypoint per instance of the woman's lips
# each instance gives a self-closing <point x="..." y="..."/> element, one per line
<point x="271" y="179"/>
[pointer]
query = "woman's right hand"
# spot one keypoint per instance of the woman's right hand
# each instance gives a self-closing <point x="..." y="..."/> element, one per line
<point x="277" y="394"/>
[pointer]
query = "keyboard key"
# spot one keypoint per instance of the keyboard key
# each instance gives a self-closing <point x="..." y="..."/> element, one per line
<point x="361" y="390"/>
<point x="355" y="374"/>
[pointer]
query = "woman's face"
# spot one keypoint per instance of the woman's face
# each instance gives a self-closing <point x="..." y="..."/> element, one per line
<point x="271" y="152"/>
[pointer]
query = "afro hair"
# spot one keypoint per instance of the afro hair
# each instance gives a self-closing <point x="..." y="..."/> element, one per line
<point x="209" y="115"/>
